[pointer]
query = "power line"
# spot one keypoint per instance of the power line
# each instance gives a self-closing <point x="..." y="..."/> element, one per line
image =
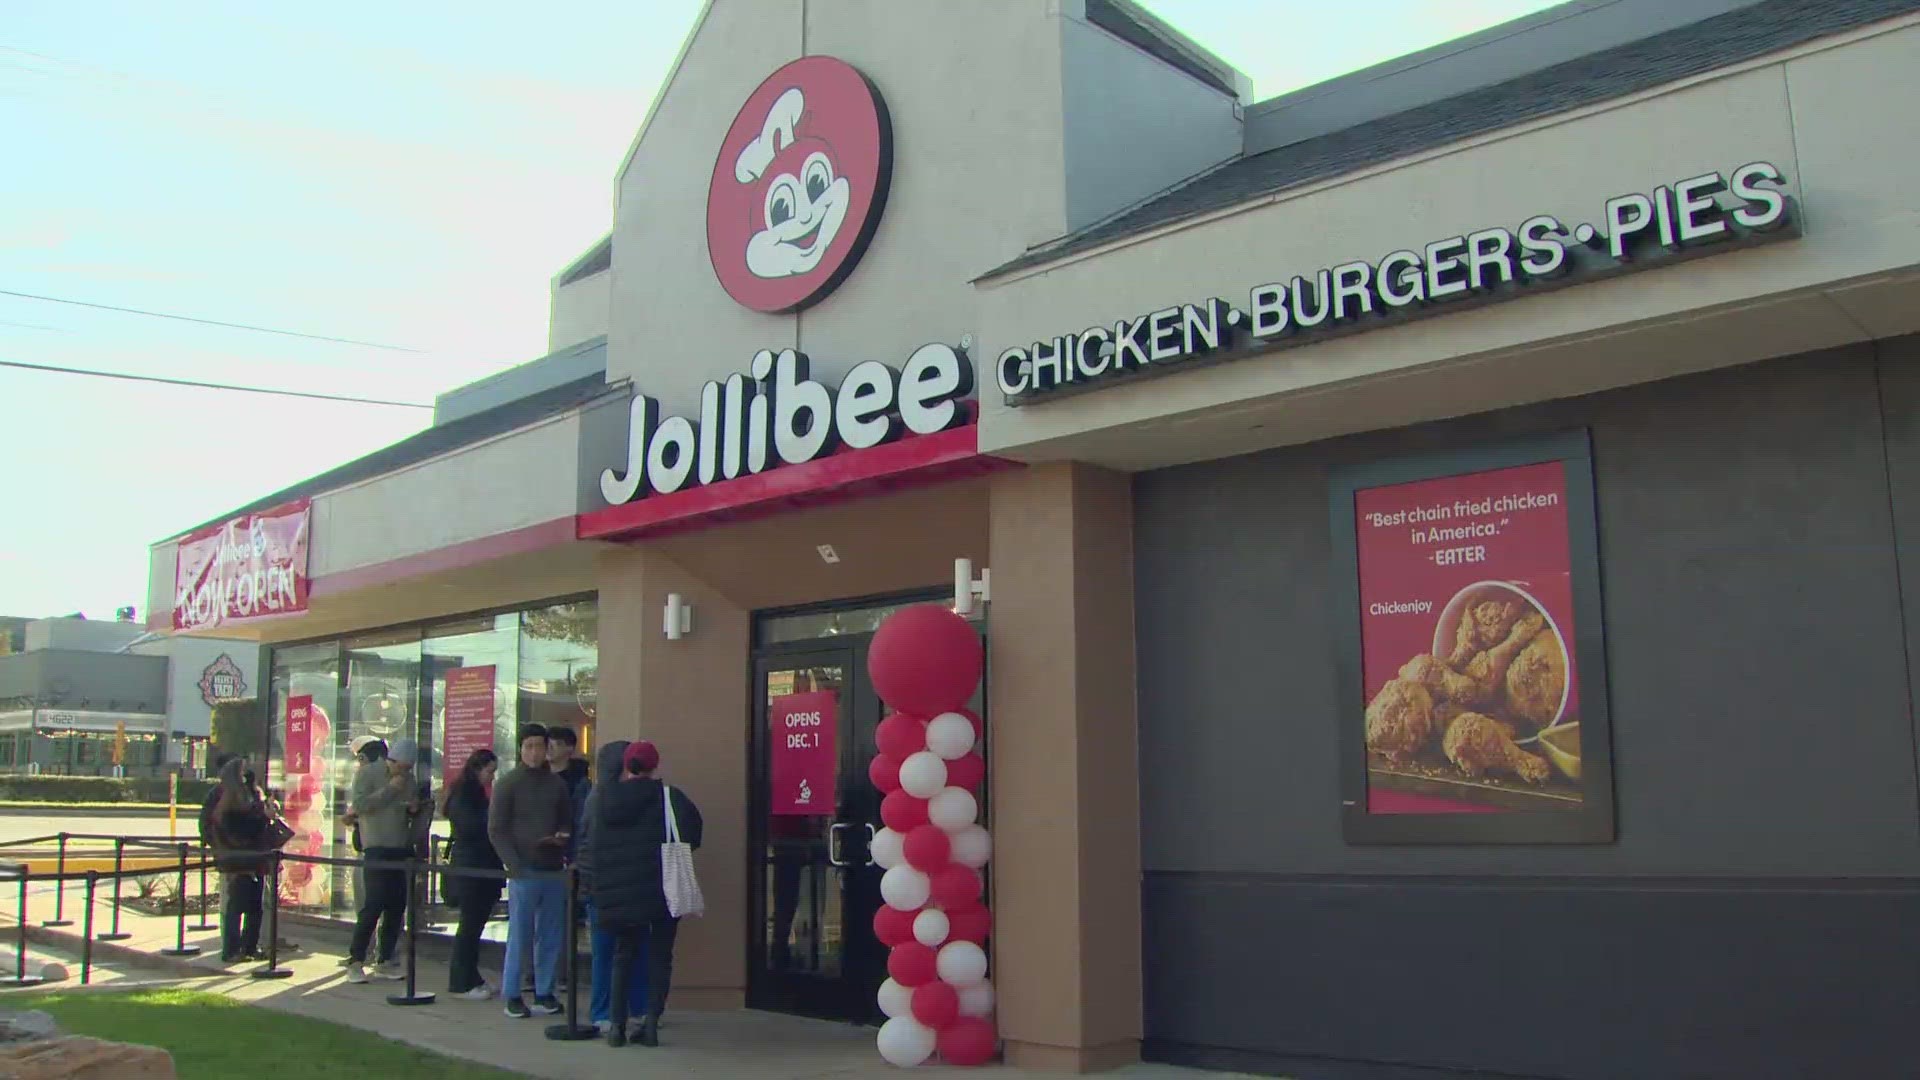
<point x="58" y="370"/>
<point x="209" y="322"/>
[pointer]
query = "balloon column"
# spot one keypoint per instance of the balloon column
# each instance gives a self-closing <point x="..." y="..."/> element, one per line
<point x="925" y="663"/>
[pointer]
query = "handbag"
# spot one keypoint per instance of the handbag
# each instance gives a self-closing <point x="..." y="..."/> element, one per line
<point x="278" y="833"/>
<point x="676" y="869"/>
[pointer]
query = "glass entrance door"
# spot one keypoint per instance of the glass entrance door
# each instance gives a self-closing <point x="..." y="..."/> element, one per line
<point x="817" y="887"/>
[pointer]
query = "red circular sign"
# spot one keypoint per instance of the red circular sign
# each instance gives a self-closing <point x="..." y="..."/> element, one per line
<point x="799" y="185"/>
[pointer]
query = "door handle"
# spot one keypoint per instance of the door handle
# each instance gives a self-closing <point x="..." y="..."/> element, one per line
<point x="870" y="836"/>
<point x="833" y="832"/>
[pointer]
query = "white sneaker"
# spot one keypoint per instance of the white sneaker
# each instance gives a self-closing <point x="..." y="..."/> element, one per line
<point x="483" y="992"/>
<point x="392" y="971"/>
<point x="359" y="973"/>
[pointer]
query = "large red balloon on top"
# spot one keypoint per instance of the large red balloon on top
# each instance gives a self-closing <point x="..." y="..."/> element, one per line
<point x="925" y="660"/>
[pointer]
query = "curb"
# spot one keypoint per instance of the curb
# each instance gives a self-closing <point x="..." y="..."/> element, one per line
<point x="112" y="952"/>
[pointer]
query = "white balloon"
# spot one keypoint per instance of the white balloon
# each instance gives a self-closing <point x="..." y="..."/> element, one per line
<point x="886" y="849"/>
<point x="953" y="809"/>
<point x="923" y="775"/>
<point x="950" y="735"/>
<point x="962" y="963"/>
<point x="930" y="928"/>
<point x="895" y="1000"/>
<point x="972" y="846"/>
<point x="976" y="1000"/>
<point x="905" y="888"/>
<point x="905" y="1042"/>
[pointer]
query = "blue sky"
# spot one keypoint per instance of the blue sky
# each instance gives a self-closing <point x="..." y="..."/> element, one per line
<point x="407" y="174"/>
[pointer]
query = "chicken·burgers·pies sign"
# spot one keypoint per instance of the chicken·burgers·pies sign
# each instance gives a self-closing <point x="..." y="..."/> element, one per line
<point x="798" y="185"/>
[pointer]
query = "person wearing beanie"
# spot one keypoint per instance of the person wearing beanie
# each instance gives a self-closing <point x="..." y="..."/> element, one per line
<point x="529" y="823"/>
<point x="382" y="803"/>
<point x="627" y="825"/>
<point x="608" y="763"/>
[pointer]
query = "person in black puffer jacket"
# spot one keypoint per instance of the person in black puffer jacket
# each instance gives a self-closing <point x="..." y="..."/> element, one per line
<point x="465" y="803"/>
<point x="627" y="825"/>
<point x="238" y="833"/>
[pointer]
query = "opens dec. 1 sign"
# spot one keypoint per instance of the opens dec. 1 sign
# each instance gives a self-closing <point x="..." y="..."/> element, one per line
<point x="804" y="769"/>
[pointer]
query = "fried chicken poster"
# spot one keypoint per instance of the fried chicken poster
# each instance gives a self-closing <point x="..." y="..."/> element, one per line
<point x="1466" y="627"/>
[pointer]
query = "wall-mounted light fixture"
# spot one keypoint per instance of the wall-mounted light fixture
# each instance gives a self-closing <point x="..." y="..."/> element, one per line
<point x="678" y="618"/>
<point x="967" y="588"/>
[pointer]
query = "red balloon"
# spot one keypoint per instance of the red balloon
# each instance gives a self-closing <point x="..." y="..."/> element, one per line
<point x="966" y="772"/>
<point x="884" y="771"/>
<point x="969" y="1040"/>
<point x="925" y="660"/>
<point x="955" y="886"/>
<point x="893" y="926"/>
<point x="901" y="735"/>
<point x="902" y="812"/>
<point x="969" y="922"/>
<point x="936" y="1004"/>
<point x="927" y="848"/>
<point x="913" y="964"/>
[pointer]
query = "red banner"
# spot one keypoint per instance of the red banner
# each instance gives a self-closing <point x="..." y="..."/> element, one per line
<point x="299" y="736"/>
<point x="805" y="769"/>
<point x="468" y="719"/>
<point x="254" y="566"/>
<point x="1467" y="623"/>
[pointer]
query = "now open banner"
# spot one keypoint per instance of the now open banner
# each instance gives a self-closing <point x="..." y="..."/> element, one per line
<point x="250" y="567"/>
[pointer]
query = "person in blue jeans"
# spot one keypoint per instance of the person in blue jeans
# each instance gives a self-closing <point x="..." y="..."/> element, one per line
<point x="529" y="823"/>
<point x="607" y="765"/>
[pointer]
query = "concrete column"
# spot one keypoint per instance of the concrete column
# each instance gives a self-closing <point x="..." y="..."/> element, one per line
<point x="690" y="698"/>
<point x="1065" y="773"/>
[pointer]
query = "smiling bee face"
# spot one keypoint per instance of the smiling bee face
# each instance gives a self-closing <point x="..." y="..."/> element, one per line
<point x="801" y="212"/>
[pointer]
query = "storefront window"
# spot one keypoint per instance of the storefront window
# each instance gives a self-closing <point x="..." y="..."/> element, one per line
<point x="309" y="789"/>
<point x="472" y="668"/>
<point x="815" y="625"/>
<point x="559" y="658"/>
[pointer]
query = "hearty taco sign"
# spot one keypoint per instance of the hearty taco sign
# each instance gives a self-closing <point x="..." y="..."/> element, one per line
<point x="250" y="567"/>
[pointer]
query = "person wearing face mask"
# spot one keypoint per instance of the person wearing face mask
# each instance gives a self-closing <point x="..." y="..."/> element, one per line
<point x="383" y="807"/>
<point x="530" y="822"/>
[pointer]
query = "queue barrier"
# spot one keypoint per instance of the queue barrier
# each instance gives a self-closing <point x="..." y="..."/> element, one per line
<point x="570" y="1030"/>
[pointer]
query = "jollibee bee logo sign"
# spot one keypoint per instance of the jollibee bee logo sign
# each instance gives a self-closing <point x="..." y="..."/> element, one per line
<point x="799" y="185"/>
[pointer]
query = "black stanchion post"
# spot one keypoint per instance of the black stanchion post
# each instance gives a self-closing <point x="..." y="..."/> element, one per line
<point x="86" y="931"/>
<point x="60" y="890"/>
<point x="20" y="976"/>
<point x="273" y="970"/>
<point x="572" y="1030"/>
<point x="119" y="861"/>
<point x="204" y="924"/>
<point x="180" y="946"/>
<point x="412" y="996"/>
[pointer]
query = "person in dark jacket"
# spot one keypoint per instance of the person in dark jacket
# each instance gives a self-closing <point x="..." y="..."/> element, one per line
<point x="625" y="831"/>
<point x="238" y="837"/>
<point x="530" y="822"/>
<point x="607" y="764"/>
<point x="465" y="802"/>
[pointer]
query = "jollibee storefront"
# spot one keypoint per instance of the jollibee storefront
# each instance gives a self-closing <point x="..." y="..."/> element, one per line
<point x="1437" y="540"/>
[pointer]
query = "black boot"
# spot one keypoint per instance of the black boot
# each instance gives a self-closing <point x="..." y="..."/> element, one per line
<point x="617" y="1034"/>
<point x="650" y="1031"/>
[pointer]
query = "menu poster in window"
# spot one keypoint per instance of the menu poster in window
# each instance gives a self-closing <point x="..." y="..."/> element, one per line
<point x="1473" y="674"/>
<point x="805" y="768"/>
<point x="299" y="735"/>
<point x="469" y="717"/>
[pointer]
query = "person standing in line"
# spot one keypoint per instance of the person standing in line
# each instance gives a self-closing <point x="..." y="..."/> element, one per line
<point x="628" y="825"/>
<point x="465" y="802"/>
<point x="238" y="837"/>
<point x="564" y="758"/>
<point x="607" y="764"/>
<point x="384" y="807"/>
<point x="368" y="752"/>
<point x="530" y="821"/>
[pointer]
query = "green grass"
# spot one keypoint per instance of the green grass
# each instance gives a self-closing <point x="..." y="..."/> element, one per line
<point x="211" y="1036"/>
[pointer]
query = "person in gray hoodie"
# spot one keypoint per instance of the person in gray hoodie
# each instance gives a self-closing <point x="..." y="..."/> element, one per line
<point x="383" y="805"/>
<point x="530" y="822"/>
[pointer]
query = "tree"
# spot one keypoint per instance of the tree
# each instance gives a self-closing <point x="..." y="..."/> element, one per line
<point x="237" y="727"/>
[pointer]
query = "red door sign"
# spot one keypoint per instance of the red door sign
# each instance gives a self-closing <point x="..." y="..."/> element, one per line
<point x="299" y="735"/>
<point x="805" y="767"/>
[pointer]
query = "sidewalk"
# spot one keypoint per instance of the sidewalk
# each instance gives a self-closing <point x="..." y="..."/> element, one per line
<point x="740" y="1044"/>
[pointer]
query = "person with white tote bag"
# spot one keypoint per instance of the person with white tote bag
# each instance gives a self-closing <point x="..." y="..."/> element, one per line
<point x="641" y="836"/>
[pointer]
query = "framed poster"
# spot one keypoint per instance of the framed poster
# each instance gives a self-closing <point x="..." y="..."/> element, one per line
<point x="803" y="775"/>
<point x="1470" y="651"/>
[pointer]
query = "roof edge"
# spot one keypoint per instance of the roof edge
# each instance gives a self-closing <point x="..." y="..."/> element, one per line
<point x="660" y="95"/>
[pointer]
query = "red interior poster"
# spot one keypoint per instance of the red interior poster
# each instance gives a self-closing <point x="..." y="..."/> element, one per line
<point x="469" y="717"/>
<point x="1466" y="616"/>
<point x="805" y="767"/>
<point x="299" y="735"/>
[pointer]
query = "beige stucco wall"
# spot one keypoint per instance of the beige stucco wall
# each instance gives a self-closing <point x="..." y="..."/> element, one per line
<point x="1836" y="117"/>
<point x="578" y="310"/>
